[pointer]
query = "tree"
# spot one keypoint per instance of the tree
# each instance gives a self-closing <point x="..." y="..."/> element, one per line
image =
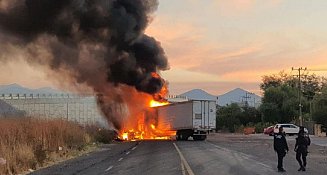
<point x="276" y="80"/>
<point x="249" y="115"/>
<point x="279" y="104"/>
<point x="311" y="85"/>
<point x="228" y="117"/>
<point x="320" y="107"/>
<point x="233" y="115"/>
<point x="281" y="100"/>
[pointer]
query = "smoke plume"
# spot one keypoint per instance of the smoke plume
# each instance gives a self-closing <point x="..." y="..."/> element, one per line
<point x="99" y="43"/>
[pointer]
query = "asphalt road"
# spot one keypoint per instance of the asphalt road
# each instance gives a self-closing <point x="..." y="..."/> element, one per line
<point x="220" y="154"/>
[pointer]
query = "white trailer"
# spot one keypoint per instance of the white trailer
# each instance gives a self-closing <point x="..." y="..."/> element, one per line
<point x="189" y="119"/>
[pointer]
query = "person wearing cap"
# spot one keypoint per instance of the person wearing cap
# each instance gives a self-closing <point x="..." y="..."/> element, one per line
<point x="301" y="148"/>
<point x="281" y="148"/>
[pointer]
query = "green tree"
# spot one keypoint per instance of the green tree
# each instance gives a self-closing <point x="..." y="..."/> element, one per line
<point x="279" y="104"/>
<point x="228" y="117"/>
<point x="233" y="116"/>
<point x="320" y="107"/>
<point x="249" y="115"/>
<point x="311" y="85"/>
<point x="276" y="80"/>
<point x="281" y="100"/>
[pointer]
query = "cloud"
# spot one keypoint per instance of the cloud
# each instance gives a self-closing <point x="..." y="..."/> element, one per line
<point x="195" y="59"/>
<point x="181" y="41"/>
<point x="233" y="8"/>
<point x="182" y="76"/>
<point x="192" y="56"/>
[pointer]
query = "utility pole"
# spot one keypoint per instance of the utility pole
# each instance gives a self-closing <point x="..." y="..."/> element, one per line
<point x="246" y="97"/>
<point x="299" y="75"/>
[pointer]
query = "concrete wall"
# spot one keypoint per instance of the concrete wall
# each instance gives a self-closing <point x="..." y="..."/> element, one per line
<point x="80" y="109"/>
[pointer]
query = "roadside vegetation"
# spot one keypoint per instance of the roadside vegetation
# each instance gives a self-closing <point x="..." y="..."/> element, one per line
<point x="29" y="143"/>
<point x="280" y="104"/>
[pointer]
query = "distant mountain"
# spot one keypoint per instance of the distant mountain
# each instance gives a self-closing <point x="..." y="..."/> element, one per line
<point x="199" y="94"/>
<point x="48" y="90"/>
<point x="18" y="89"/>
<point x="239" y="95"/>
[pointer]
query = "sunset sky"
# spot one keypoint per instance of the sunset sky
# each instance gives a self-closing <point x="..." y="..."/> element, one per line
<point x="219" y="45"/>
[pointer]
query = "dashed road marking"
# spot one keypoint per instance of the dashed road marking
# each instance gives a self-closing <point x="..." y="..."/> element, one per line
<point x="134" y="148"/>
<point x="128" y="152"/>
<point x="184" y="162"/>
<point x="120" y="159"/>
<point x="109" y="168"/>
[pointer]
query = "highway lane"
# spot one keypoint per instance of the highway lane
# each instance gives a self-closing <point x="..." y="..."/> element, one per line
<point x="225" y="155"/>
<point x="208" y="158"/>
<point x="150" y="158"/>
<point x="160" y="158"/>
<point x="260" y="148"/>
<point x="92" y="163"/>
<point x="128" y="158"/>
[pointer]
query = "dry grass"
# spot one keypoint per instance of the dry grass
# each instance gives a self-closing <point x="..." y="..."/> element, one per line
<point x="27" y="143"/>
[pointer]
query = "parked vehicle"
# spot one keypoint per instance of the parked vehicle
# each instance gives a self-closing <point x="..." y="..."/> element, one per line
<point x="189" y="119"/>
<point x="269" y="130"/>
<point x="289" y="129"/>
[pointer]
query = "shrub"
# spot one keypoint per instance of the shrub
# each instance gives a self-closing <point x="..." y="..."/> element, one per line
<point x="27" y="143"/>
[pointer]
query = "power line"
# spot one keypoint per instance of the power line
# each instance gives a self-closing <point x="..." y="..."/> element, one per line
<point x="317" y="70"/>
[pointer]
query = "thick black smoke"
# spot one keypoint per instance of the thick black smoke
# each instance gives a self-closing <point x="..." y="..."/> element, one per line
<point x="94" y="42"/>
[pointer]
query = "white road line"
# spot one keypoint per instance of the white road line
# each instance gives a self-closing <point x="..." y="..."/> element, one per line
<point x="187" y="166"/>
<point x="128" y="152"/>
<point x="183" y="169"/>
<point x="245" y="156"/>
<point x="109" y="168"/>
<point x="120" y="159"/>
<point x="267" y="166"/>
<point x="134" y="148"/>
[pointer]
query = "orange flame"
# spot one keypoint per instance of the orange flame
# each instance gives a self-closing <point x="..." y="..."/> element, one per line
<point x="148" y="127"/>
<point x="154" y="103"/>
<point x="145" y="124"/>
<point x="155" y="75"/>
<point x="125" y="136"/>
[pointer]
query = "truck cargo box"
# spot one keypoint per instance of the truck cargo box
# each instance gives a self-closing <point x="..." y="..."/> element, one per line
<point x="188" y="118"/>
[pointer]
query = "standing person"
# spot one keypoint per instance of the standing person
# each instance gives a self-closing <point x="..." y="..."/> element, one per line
<point x="301" y="148"/>
<point x="281" y="148"/>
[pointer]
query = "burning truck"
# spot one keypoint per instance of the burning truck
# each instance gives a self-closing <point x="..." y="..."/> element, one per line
<point x="195" y="118"/>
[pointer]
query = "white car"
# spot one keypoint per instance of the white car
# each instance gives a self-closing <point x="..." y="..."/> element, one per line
<point x="289" y="129"/>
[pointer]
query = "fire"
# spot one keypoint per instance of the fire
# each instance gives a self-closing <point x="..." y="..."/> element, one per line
<point x="125" y="136"/>
<point x="145" y="124"/>
<point x="155" y="75"/>
<point x="154" y="103"/>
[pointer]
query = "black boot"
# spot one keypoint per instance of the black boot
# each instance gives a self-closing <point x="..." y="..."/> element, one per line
<point x="281" y="170"/>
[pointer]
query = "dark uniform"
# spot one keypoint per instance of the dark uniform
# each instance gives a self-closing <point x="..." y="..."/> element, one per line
<point x="281" y="147"/>
<point x="301" y="149"/>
